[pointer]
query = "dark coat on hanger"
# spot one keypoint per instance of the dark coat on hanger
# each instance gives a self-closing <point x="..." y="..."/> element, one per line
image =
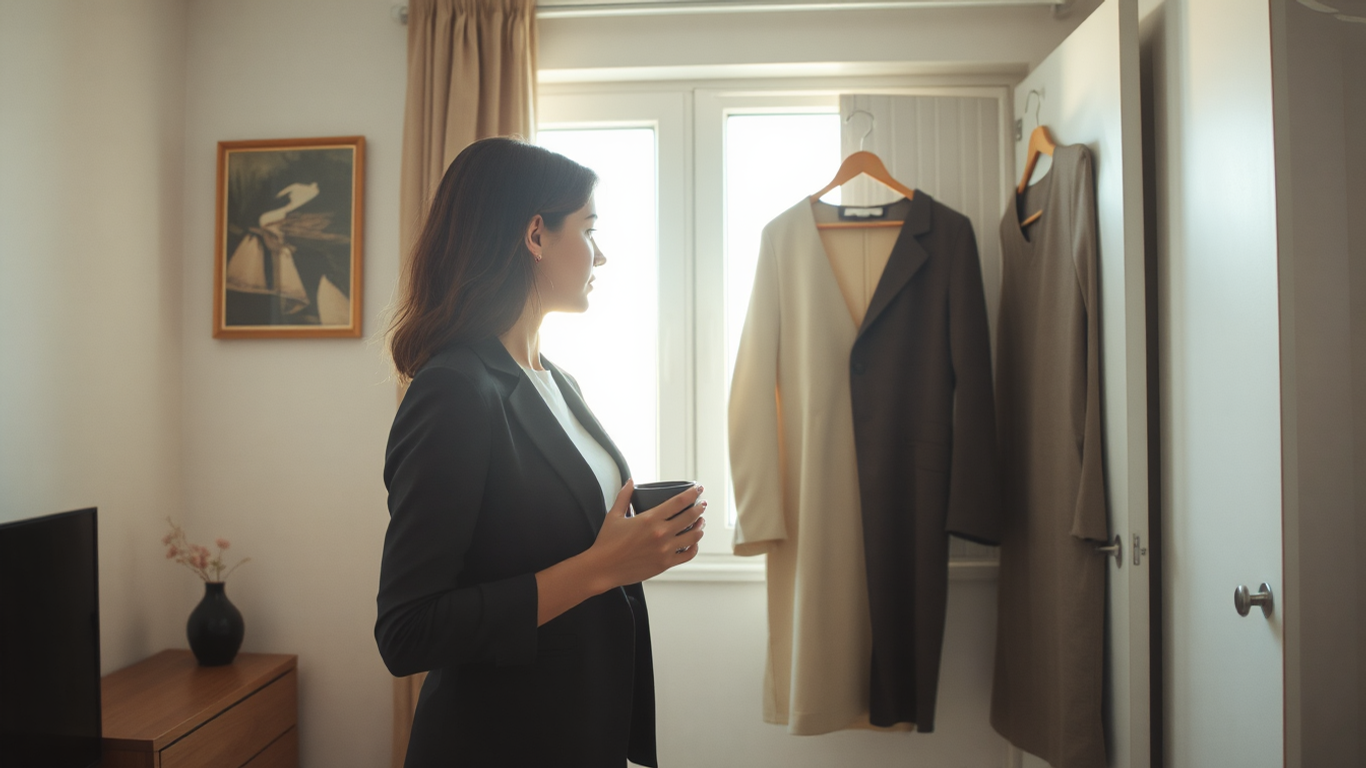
<point x="885" y="430"/>
<point x="486" y="489"/>
<point x="925" y="433"/>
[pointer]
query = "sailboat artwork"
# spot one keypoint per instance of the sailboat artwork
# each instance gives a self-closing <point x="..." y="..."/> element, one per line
<point x="288" y="251"/>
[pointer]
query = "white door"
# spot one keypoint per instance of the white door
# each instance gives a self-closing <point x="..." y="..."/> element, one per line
<point x="1219" y="373"/>
<point x="1087" y="92"/>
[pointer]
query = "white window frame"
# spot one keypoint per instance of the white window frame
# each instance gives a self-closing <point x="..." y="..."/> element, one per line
<point x="689" y="117"/>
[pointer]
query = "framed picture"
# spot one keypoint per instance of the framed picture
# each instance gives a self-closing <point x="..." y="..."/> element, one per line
<point x="287" y="261"/>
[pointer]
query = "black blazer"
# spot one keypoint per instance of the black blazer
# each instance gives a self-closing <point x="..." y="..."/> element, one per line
<point x="486" y="489"/>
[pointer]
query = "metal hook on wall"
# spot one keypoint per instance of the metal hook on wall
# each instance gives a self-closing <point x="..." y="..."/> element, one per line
<point x="872" y="121"/>
<point x="1038" y="107"/>
<point x="1019" y="122"/>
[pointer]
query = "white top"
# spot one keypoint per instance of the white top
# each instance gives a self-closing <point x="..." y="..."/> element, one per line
<point x="599" y="460"/>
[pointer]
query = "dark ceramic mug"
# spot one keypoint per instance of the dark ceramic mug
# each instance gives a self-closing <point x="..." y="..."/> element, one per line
<point x="650" y="495"/>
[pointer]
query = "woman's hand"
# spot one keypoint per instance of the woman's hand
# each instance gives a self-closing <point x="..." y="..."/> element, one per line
<point x="632" y="549"/>
<point x="627" y="550"/>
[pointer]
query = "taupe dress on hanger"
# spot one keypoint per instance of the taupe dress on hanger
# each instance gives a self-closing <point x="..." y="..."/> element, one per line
<point x="1050" y="634"/>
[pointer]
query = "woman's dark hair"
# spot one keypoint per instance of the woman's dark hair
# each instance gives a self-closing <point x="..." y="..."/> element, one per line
<point x="471" y="274"/>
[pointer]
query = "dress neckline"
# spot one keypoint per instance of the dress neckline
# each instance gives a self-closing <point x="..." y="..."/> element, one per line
<point x="1045" y="186"/>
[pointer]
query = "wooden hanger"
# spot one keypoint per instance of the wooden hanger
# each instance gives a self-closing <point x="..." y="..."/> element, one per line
<point x="1040" y="143"/>
<point x="862" y="162"/>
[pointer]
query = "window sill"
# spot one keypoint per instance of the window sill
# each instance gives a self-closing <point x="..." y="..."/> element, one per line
<point x="729" y="568"/>
<point x="716" y="567"/>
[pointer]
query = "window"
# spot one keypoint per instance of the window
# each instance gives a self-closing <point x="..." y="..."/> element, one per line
<point x="682" y="204"/>
<point x="630" y="351"/>
<point x="689" y="178"/>
<point x="621" y="330"/>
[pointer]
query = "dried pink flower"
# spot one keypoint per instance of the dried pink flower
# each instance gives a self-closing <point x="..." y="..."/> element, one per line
<point x="197" y="557"/>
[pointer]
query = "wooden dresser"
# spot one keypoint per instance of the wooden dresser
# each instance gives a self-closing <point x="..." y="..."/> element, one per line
<point x="169" y="712"/>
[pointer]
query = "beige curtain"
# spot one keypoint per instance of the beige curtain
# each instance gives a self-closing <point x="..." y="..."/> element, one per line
<point x="471" y="75"/>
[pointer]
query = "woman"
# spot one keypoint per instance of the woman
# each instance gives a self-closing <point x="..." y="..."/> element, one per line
<point x="511" y="568"/>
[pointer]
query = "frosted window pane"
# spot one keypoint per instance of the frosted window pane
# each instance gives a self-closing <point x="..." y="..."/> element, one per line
<point x="772" y="162"/>
<point x="623" y="316"/>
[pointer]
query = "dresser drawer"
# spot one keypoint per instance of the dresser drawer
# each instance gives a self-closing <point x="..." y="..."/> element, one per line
<point x="241" y="731"/>
<point x="282" y="753"/>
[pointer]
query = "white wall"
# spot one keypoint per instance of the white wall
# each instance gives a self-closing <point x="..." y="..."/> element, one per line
<point x="90" y="235"/>
<point x="284" y="439"/>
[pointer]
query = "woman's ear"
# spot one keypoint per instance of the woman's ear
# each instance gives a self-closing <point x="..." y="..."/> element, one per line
<point x="534" y="231"/>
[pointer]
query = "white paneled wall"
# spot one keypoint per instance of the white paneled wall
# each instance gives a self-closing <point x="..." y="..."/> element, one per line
<point x="950" y="148"/>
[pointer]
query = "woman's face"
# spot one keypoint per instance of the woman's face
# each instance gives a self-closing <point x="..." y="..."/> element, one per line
<point x="566" y="259"/>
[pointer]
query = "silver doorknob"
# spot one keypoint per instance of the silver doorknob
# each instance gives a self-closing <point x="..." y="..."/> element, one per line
<point x="1244" y="601"/>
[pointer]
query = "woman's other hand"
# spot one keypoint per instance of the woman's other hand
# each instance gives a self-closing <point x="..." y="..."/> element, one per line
<point x="627" y="550"/>
<point x="632" y="549"/>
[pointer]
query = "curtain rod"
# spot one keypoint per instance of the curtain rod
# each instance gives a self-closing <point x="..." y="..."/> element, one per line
<point x="564" y="9"/>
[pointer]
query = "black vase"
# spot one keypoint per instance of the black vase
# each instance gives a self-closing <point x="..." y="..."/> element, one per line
<point x="215" y="627"/>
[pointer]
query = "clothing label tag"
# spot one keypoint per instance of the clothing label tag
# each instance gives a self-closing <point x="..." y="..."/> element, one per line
<point x="863" y="213"/>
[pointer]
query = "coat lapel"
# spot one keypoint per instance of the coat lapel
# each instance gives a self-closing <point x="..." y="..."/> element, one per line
<point x="908" y="255"/>
<point x="530" y="409"/>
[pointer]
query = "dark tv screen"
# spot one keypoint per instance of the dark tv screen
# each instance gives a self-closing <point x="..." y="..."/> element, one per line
<point x="49" y="642"/>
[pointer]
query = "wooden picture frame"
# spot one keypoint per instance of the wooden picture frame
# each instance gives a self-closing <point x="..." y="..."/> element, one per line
<point x="288" y="237"/>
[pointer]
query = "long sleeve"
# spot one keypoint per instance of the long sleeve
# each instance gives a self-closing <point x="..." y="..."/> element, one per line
<point x="435" y="471"/>
<point x="974" y="510"/>
<point x="1089" y="517"/>
<point x="754" y="417"/>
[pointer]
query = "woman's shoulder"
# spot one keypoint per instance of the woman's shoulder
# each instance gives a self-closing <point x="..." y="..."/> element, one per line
<point x="459" y="358"/>
<point x="452" y="400"/>
<point x="464" y="368"/>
